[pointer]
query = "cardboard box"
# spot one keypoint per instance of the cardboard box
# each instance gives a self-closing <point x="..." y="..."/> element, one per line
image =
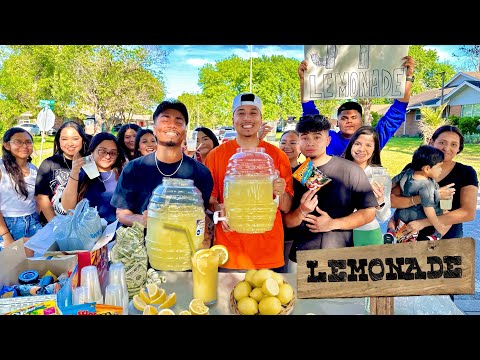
<point x="13" y="261"/>
<point x="98" y="256"/>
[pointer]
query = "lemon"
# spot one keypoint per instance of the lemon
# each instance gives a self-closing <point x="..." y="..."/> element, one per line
<point x="170" y="301"/>
<point x="200" y="253"/>
<point x="144" y="295"/>
<point x="153" y="292"/>
<point x="260" y="276"/>
<point x="257" y="294"/>
<point x="166" y="312"/>
<point x="138" y="302"/>
<point x="247" y="306"/>
<point x="161" y="297"/>
<point x="270" y="287"/>
<point x="150" y="310"/>
<point x="285" y="293"/>
<point x="241" y="290"/>
<point x="222" y="253"/>
<point x="249" y="276"/>
<point x="184" y="312"/>
<point x="277" y="277"/>
<point x="270" y="305"/>
<point x="197" y="307"/>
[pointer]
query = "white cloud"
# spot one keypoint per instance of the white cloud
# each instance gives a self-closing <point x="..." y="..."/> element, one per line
<point x="196" y="62"/>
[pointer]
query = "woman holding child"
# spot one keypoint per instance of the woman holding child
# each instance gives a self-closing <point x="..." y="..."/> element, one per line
<point x="456" y="180"/>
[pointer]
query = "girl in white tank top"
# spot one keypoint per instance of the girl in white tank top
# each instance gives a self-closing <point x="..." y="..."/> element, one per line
<point x="18" y="217"/>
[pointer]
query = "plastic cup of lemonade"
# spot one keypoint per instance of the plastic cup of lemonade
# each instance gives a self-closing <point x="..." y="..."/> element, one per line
<point x="205" y="276"/>
<point x="446" y="204"/>
<point x="90" y="167"/>
<point x="192" y="141"/>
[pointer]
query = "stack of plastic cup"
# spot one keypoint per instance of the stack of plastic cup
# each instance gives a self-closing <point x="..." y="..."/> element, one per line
<point x="114" y="295"/>
<point x="80" y="295"/>
<point x="89" y="276"/>
<point x="116" y="275"/>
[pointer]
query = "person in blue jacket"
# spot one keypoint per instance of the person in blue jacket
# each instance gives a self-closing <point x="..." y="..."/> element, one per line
<point x="349" y="114"/>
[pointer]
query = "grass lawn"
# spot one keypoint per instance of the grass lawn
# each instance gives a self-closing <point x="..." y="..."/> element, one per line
<point x="47" y="149"/>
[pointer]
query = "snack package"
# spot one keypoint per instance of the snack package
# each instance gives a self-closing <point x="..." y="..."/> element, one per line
<point x="310" y="176"/>
<point x="403" y="238"/>
<point x="80" y="309"/>
<point x="105" y="309"/>
<point x="48" y="307"/>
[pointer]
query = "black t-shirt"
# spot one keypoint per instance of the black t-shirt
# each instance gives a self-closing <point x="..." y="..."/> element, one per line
<point x="140" y="177"/>
<point x="348" y="190"/>
<point x="52" y="177"/>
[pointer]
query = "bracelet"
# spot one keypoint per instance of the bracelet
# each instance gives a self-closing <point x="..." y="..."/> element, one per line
<point x="304" y="214"/>
<point x="413" y="202"/>
<point x="5" y="233"/>
<point x="71" y="177"/>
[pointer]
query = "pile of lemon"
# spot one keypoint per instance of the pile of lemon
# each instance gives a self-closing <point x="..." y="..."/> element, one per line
<point x="262" y="292"/>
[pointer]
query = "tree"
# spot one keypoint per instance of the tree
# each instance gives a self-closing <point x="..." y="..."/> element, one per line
<point x="431" y="120"/>
<point x="111" y="81"/>
<point x="473" y="54"/>
<point x="274" y="79"/>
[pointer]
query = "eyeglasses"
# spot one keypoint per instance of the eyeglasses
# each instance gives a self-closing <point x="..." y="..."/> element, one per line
<point x="19" y="143"/>
<point x="103" y="153"/>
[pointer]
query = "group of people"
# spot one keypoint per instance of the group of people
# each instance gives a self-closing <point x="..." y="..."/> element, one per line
<point x="336" y="214"/>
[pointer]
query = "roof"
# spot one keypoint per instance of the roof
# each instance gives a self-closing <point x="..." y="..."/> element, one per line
<point x="380" y="108"/>
<point x="428" y="98"/>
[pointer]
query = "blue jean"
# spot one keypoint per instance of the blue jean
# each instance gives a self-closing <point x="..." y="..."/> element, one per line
<point x="22" y="226"/>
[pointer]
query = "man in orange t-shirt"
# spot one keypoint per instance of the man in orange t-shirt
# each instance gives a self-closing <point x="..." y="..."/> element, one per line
<point x="250" y="251"/>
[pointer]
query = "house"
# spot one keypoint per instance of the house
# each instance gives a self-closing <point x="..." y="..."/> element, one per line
<point x="461" y="93"/>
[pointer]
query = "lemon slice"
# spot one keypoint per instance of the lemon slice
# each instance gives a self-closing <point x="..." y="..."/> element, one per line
<point x="200" y="253"/>
<point x="166" y="312"/>
<point x="138" y="302"/>
<point x="144" y="295"/>
<point x="202" y="264"/>
<point x="161" y="297"/>
<point x="150" y="310"/>
<point x="222" y="253"/>
<point x="197" y="307"/>
<point x="153" y="292"/>
<point x="270" y="287"/>
<point x="170" y="301"/>
<point x="184" y="312"/>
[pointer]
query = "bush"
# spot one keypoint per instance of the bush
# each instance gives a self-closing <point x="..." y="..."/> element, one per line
<point x="375" y="117"/>
<point x="472" y="138"/>
<point x="468" y="125"/>
<point x="454" y="119"/>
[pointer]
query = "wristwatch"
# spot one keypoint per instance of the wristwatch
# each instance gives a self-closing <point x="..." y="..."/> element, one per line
<point x="380" y="206"/>
<point x="412" y="79"/>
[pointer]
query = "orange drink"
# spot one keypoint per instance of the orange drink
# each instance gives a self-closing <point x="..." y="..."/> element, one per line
<point x="205" y="275"/>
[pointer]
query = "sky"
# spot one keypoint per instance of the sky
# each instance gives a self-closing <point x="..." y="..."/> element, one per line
<point x="181" y="72"/>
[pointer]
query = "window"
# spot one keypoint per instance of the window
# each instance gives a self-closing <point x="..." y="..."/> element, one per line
<point x="418" y="115"/>
<point x="470" y="110"/>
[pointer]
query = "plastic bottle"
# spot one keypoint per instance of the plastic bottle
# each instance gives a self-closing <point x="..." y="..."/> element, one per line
<point x="248" y="191"/>
<point x="176" y="224"/>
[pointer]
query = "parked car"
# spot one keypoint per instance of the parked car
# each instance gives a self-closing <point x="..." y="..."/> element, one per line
<point x="52" y="132"/>
<point x="32" y="128"/>
<point x="116" y="127"/>
<point x="223" y="130"/>
<point x="229" y="135"/>
<point x="289" y="126"/>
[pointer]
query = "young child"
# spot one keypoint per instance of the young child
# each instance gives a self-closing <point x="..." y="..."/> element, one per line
<point x="418" y="179"/>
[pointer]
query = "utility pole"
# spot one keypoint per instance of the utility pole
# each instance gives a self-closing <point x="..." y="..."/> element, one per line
<point x="251" y="63"/>
<point x="441" y="97"/>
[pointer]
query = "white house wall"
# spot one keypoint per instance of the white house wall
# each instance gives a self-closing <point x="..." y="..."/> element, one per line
<point x="465" y="96"/>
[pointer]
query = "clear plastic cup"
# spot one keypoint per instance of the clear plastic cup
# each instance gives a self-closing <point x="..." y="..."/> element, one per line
<point x="90" y="167"/>
<point x="446" y="204"/>
<point x="80" y="295"/>
<point x="116" y="275"/>
<point x="192" y="140"/>
<point x="114" y="295"/>
<point x="89" y="278"/>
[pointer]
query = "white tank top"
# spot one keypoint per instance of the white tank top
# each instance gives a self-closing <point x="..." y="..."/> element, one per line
<point x="12" y="204"/>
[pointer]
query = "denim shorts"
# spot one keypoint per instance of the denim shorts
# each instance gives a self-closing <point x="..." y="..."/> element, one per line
<point x="22" y="226"/>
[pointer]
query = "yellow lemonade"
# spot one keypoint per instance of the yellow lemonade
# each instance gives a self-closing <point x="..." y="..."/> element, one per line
<point x="205" y="277"/>
<point x="169" y="245"/>
<point x="249" y="203"/>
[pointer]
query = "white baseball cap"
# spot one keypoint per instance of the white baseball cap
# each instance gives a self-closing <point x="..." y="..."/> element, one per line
<point x="246" y="99"/>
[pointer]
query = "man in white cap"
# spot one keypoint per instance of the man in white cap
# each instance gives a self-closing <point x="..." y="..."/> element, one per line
<point x="250" y="251"/>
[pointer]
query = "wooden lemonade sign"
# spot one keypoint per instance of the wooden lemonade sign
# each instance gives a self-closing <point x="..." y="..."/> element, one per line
<point x="417" y="268"/>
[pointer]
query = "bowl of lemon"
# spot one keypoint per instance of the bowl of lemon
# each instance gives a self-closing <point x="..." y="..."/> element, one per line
<point x="262" y="292"/>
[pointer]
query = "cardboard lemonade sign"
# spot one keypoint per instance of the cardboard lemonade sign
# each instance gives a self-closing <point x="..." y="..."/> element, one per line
<point x="415" y="268"/>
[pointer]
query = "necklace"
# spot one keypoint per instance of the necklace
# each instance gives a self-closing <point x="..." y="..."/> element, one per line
<point x="104" y="181"/>
<point x="65" y="160"/>
<point x="156" y="163"/>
